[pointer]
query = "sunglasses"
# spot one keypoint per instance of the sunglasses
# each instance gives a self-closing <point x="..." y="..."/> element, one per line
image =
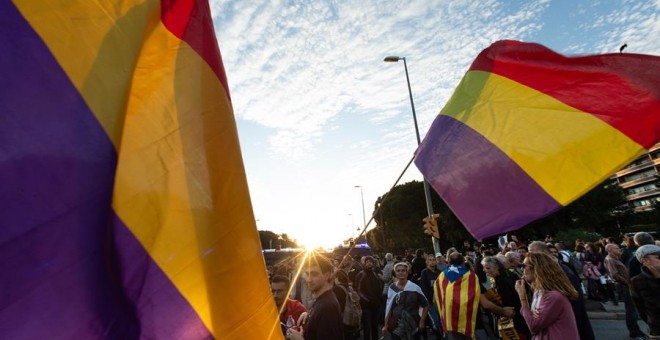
<point x="527" y="266"/>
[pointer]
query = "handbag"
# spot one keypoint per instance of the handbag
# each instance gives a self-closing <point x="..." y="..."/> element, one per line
<point x="506" y="328"/>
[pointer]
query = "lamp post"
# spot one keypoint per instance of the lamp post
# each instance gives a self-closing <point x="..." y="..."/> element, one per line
<point x="364" y="216"/>
<point x="427" y="191"/>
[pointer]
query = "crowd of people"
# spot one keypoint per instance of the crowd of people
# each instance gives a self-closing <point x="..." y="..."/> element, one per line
<point x="514" y="291"/>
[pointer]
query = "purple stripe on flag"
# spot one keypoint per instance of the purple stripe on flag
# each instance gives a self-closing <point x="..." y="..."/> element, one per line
<point x="162" y="310"/>
<point x="67" y="269"/>
<point x="479" y="182"/>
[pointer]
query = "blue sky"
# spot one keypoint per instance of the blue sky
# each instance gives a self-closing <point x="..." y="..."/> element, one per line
<point x="319" y="112"/>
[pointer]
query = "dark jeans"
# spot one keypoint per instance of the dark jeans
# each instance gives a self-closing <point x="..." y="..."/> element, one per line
<point x="457" y="336"/>
<point x="631" y="320"/>
<point x="610" y="288"/>
<point x="592" y="290"/>
<point x="351" y="333"/>
<point x="433" y="322"/>
<point x="370" y="322"/>
<point x="417" y="336"/>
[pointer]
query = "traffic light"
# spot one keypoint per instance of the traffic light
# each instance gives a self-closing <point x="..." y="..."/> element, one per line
<point x="431" y="225"/>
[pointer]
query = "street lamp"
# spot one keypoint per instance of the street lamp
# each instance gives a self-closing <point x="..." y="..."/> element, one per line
<point x="394" y="59"/>
<point x="364" y="216"/>
<point x="427" y="191"/>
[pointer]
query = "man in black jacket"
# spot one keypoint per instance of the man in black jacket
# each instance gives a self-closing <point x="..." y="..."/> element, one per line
<point x="325" y="321"/>
<point x="645" y="287"/>
<point x="418" y="264"/>
<point x="369" y="287"/>
<point x="427" y="280"/>
<point x="640" y="239"/>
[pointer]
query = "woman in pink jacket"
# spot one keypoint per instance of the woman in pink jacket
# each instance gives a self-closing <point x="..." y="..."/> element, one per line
<point x="550" y="315"/>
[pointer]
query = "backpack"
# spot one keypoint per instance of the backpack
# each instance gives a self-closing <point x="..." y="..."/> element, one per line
<point x="573" y="262"/>
<point x="352" y="314"/>
<point x="576" y="263"/>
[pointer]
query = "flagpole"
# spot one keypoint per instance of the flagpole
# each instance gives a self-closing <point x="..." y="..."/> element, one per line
<point x="427" y="191"/>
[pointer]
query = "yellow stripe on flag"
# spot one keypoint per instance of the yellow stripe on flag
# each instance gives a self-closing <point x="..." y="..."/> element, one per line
<point x="462" y="315"/>
<point x="544" y="136"/>
<point x="97" y="44"/>
<point x="163" y="190"/>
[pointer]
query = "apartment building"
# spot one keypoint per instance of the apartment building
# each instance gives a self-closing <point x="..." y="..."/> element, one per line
<point x="639" y="182"/>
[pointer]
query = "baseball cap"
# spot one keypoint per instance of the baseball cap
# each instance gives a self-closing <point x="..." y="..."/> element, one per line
<point x="438" y="255"/>
<point x="646" y="250"/>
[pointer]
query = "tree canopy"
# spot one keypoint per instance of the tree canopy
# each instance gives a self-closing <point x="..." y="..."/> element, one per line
<point x="271" y="240"/>
<point x="399" y="218"/>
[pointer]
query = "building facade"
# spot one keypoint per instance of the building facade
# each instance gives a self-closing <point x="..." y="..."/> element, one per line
<point x="639" y="180"/>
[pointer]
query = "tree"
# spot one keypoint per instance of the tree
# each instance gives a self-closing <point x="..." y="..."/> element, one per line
<point x="399" y="217"/>
<point x="271" y="240"/>
<point x="268" y="239"/>
<point x="602" y="210"/>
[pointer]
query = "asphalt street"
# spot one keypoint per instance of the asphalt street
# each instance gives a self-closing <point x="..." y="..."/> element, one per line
<point x="608" y="321"/>
<point x="608" y="329"/>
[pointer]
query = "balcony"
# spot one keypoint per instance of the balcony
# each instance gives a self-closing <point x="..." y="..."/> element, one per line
<point x="644" y="208"/>
<point x="638" y="181"/>
<point x="647" y="164"/>
<point x="643" y="194"/>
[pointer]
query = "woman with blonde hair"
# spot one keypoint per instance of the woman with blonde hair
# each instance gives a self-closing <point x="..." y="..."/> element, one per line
<point x="550" y="315"/>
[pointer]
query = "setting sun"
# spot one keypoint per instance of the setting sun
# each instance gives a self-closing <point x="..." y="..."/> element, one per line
<point x="314" y="240"/>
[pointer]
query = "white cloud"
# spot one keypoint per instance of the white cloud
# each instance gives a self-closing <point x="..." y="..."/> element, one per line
<point x="313" y="74"/>
<point x="295" y="67"/>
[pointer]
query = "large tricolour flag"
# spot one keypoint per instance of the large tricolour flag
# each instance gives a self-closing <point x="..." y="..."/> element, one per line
<point x="124" y="205"/>
<point x="528" y="131"/>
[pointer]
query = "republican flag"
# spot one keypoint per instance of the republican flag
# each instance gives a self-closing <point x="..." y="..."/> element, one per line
<point x="528" y="131"/>
<point x="125" y="208"/>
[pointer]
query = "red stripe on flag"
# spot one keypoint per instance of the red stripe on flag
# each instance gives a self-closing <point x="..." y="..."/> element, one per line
<point x="191" y="22"/>
<point x="470" y="305"/>
<point x="456" y="303"/>
<point x="620" y="89"/>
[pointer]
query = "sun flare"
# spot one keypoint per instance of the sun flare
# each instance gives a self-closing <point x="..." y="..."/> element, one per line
<point x="318" y="240"/>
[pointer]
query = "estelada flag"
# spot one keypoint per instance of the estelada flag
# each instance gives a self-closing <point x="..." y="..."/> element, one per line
<point x="527" y="131"/>
<point x="456" y="293"/>
<point x="125" y="207"/>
